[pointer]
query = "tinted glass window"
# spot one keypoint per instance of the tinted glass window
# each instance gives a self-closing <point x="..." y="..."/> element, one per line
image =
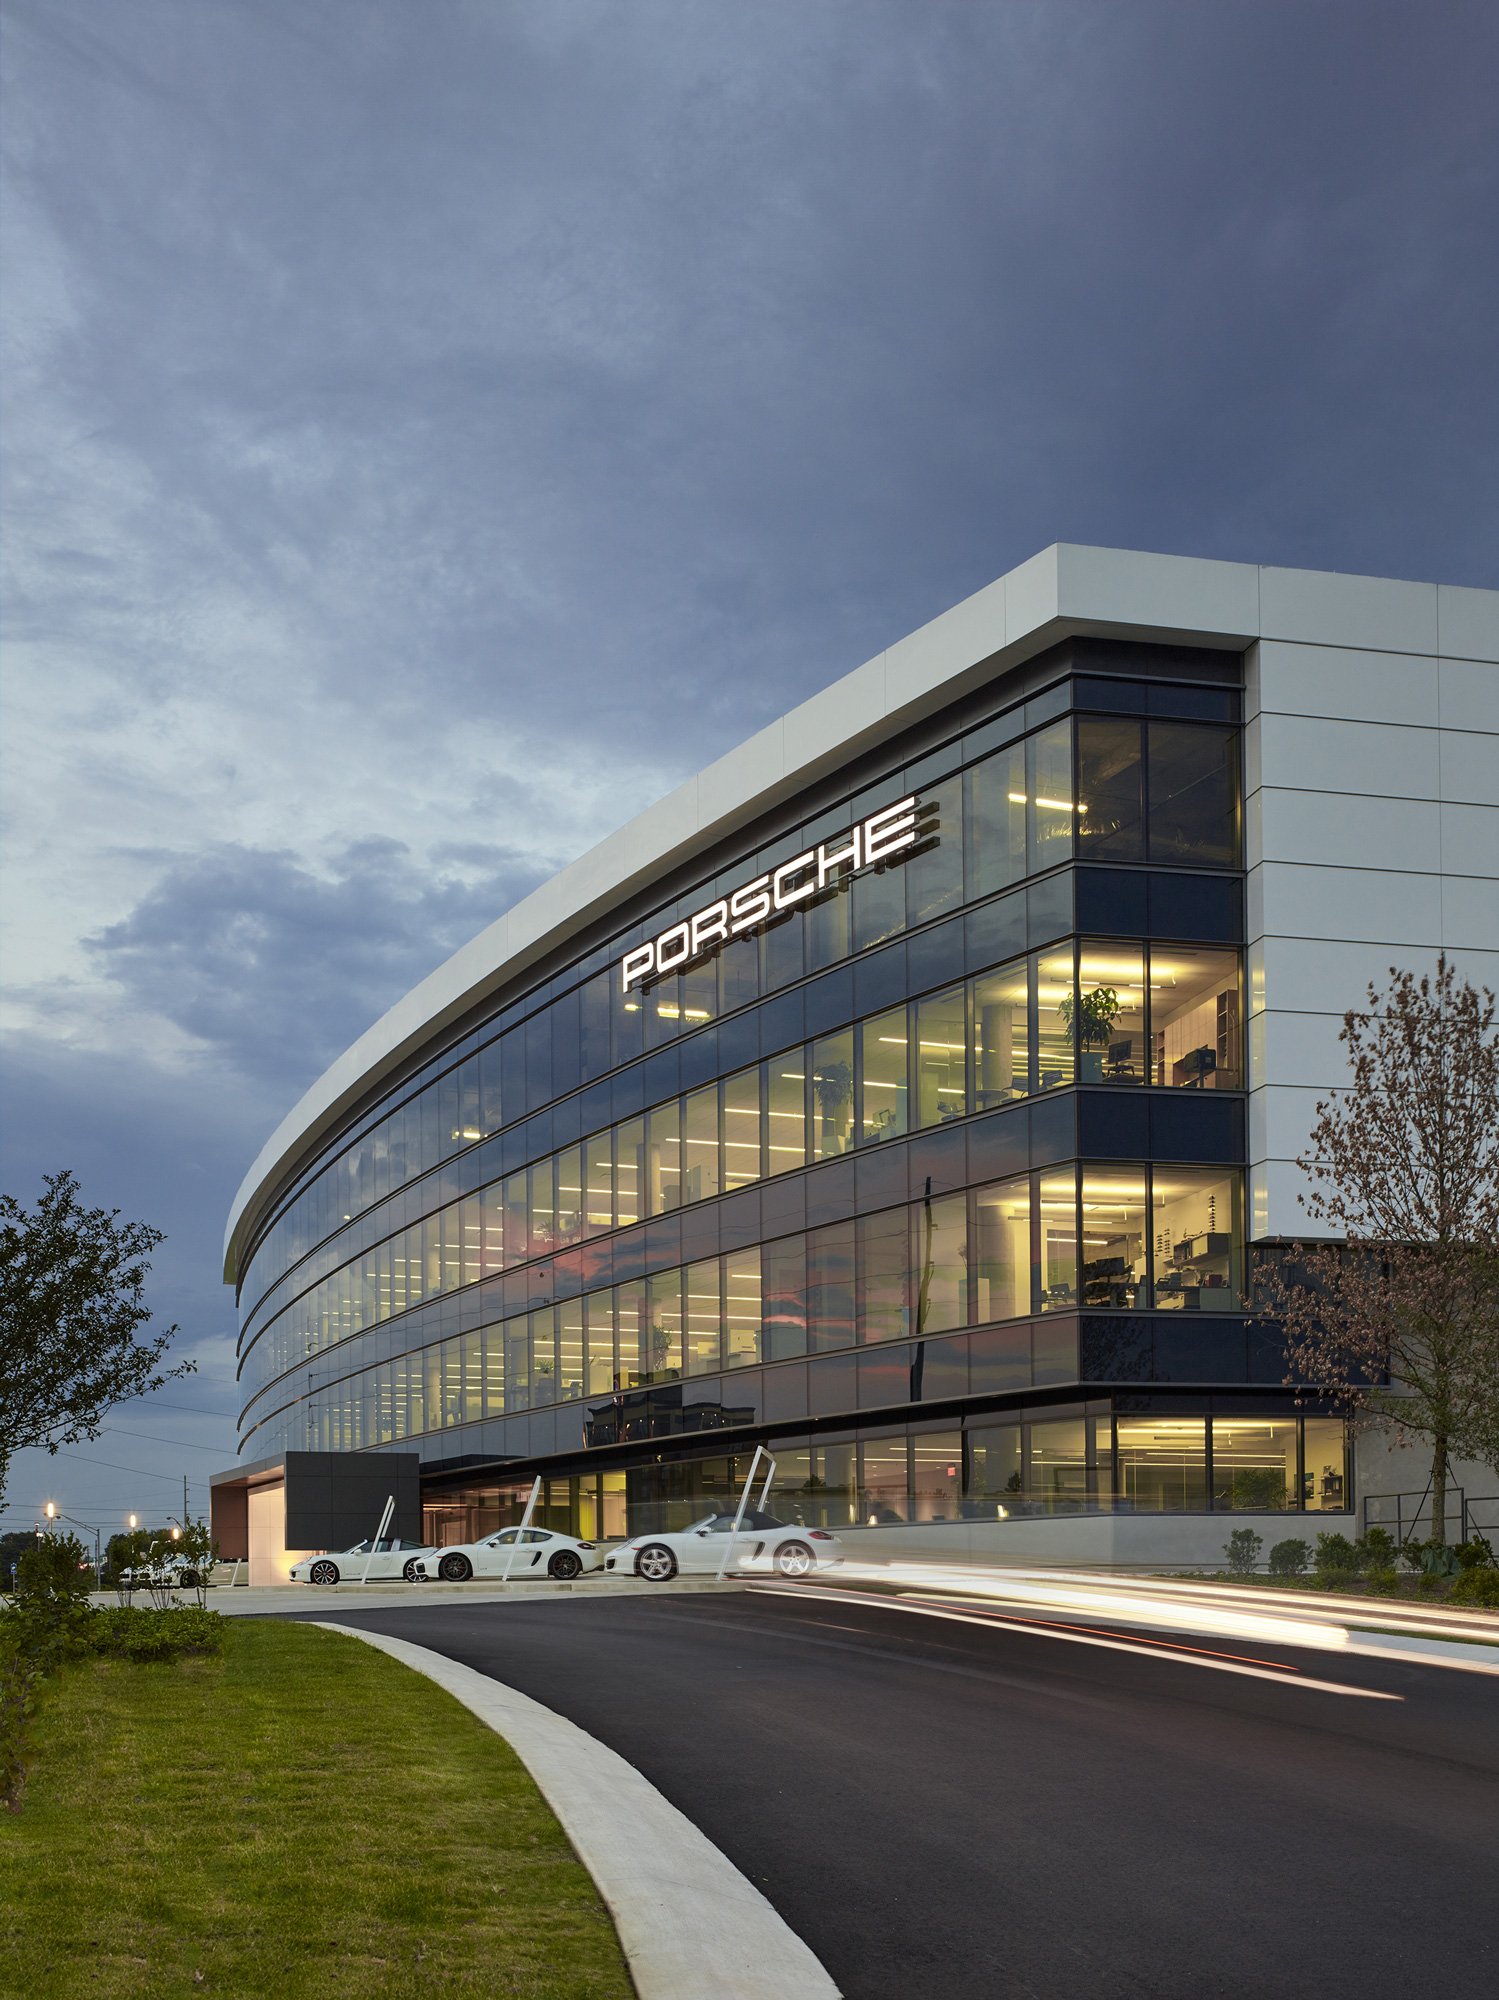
<point x="1193" y="794"/>
<point x="1110" y="790"/>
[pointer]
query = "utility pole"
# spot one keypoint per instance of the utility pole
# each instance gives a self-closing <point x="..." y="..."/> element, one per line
<point x="184" y="1500"/>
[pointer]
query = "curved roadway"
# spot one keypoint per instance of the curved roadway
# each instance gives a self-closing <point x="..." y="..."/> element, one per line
<point x="970" y="1811"/>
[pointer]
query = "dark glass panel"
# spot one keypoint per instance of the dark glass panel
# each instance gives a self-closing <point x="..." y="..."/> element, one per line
<point x="882" y="1304"/>
<point x="782" y="1022"/>
<point x="880" y="979"/>
<point x="827" y="922"/>
<point x="1197" y="906"/>
<point x="936" y="956"/>
<point x="784" y="1277"/>
<point x="1113" y="1125"/>
<point x="1208" y="704"/>
<point x="739" y="972"/>
<point x="829" y="1193"/>
<point x="1053" y="1351"/>
<point x="785" y="1392"/>
<point x="593" y="1026"/>
<point x="880" y="1177"/>
<point x="1193" y="1126"/>
<point x="885" y="1380"/>
<point x="1048" y="908"/>
<point x="1193" y="794"/>
<point x="832" y="1385"/>
<point x="940" y="1371"/>
<point x="829" y="1001"/>
<point x="995" y="932"/>
<point x="781" y="961"/>
<point x="567" y="1051"/>
<point x="697" y="1056"/>
<point x="934" y="867"/>
<point x="879" y="899"/>
<point x="1118" y="1349"/>
<point x="995" y="821"/>
<point x="1002" y="1145"/>
<point x="936" y="1163"/>
<point x="1113" y="900"/>
<point x="1051" y="801"/>
<point x="739" y="1040"/>
<point x="1053" y="1128"/>
<point x="1111" y="816"/>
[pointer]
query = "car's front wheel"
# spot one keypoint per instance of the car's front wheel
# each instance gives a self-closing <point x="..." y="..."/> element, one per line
<point x="409" y="1571"/>
<point x="455" y="1569"/>
<point x="793" y="1559"/>
<point x="564" y="1566"/>
<point x="656" y="1563"/>
<point x="190" y="1579"/>
<point x="323" y="1572"/>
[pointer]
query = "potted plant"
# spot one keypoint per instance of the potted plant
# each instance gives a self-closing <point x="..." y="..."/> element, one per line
<point x="1095" y="1015"/>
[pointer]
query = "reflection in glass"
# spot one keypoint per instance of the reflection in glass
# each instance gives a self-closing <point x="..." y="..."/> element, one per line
<point x="598" y="1182"/>
<point x="1052" y="805"/>
<point x="1197" y="1238"/>
<point x="1196" y="1033"/>
<point x="599" y="1314"/>
<point x="883" y="1251"/>
<point x="996" y="802"/>
<point x="1003" y="1251"/>
<point x="704" y="1313"/>
<point x="742" y="1307"/>
<point x="1110" y="811"/>
<point x="936" y="1475"/>
<point x="832" y="1095"/>
<point x="664" y="1157"/>
<point x="1058" y="1475"/>
<point x="883" y="1050"/>
<point x="700" y="1144"/>
<point x="1110" y="1018"/>
<point x="933" y="868"/>
<point x="941" y="1263"/>
<point x="1193" y="794"/>
<point x="995" y="1477"/>
<point x="883" y="1482"/>
<point x="1115" y="1234"/>
<point x="1058" y="1200"/>
<point x="1161" y="1463"/>
<point x="1000" y="1037"/>
<point x="629" y="1172"/>
<point x="1254" y="1464"/>
<point x="661" y="1356"/>
<point x="941" y="1057"/>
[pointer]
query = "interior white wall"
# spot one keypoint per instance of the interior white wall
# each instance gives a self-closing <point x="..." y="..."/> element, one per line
<point x="1371" y="841"/>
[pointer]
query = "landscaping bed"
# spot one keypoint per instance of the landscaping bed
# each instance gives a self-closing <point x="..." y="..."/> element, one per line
<point x="299" y="1816"/>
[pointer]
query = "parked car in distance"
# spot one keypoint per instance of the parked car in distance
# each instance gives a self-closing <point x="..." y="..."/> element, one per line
<point x="392" y="1560"/>
<point x="171" y="1573"/>
<point x="517" y="1552"/>
<point x="763" y="1543"/>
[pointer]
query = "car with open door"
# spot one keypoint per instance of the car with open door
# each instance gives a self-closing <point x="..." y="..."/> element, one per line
<point x="763" y="1545"/>
<point x="390" y="1560"/>
<point x="516" y="1553"/>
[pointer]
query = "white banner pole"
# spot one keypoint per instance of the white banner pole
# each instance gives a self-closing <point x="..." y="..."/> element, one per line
<point x="525" y="1522"/>
<point x="390" y="1508"/>
<point x="743" y="1502"/>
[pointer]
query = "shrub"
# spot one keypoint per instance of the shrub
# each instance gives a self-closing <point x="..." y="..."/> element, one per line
<point x="1477" y="1586"/>
<point x="1336" y="1556"/>
<point x="1383" y="1580"/>
<point x="1475" y="1554"/>
<point x="1243" y="1551"/>
<point x="135" y="1633"/>
<point x="1376" y="1549"/>
<point x="1289" y="1558"/>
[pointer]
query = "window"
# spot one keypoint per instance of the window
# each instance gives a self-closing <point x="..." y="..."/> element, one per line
<point x="933" y="868"/>
<point x="1052" y="809"/>
<point x="742" y="1158"/>
<point x="941" y="1263"/>
<point x="1057" y="1480"/>
<point x="884" y="1482"/>
<point x="832" y="1095"/>
<point x="936" y="1475"/>
<point x="941" y="1057"/>
<point x="830" y="1287"/>
<point x="1110" y="790"/>
<point x="703" y="1308"/>
<point x="630" y="1176"/>
<point x="598" y="1182"/>
<point x="786" y="1100"/>
<point x="1001" y="1037"/>
<point x="1254" y="1465"/>
<point x="1058" y="1207"/>
<point x="1002" y="1249"/>
<point x="994" y="1476"/>
<point x="1195" y="1016"/>
<point x="1193" y="794"/>
<point x="1110" y="1016"/>
<point x="742" y="1308"/>
<point x="1115" y="1233"/>
<point x="664" y="1158"/>
<point x="883" y="1250"/>
<point x="700" y="1144"/>
<point x="883" y="1052"/>
<point x="995" y="821"/>
<point x="599" y="1380"/>
<point x="1324" y="1479"/>
<point x="661" y="1357"/>
<point x="1055" y="1003"/>
<point x="1197" y="1237"/>
<point x="1161" y="1464"/>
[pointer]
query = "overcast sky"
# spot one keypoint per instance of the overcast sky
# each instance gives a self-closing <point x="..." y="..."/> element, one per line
<point x="433" y="431"/>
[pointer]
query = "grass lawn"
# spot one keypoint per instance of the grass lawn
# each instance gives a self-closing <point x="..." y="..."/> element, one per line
<point x="303" y="1817"/>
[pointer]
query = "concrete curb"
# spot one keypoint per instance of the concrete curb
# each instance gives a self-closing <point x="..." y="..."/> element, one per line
<point x="279" y="1600"/>
<point x="692" y="1927"/>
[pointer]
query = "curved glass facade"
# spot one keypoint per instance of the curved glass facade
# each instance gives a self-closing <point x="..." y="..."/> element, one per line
<point x="950" y="1130"/>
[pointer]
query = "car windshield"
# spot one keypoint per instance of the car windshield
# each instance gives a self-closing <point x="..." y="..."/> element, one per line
<point x="723" y="1524"/>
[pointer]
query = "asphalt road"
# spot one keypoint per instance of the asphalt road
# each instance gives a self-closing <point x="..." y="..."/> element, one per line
<point x="964" y="1811"/>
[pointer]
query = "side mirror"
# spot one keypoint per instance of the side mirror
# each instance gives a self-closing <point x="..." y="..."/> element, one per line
<point x="702" y="1531"/>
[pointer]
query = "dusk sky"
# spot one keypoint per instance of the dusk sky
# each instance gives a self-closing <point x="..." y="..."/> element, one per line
<point x="433" y="431"/>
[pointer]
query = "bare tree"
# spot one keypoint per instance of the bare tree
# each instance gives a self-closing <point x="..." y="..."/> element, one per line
<point x="72" y="1308"/>
<point x="1396" y="1319"/>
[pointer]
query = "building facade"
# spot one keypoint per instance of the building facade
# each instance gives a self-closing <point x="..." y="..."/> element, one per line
<point x="909" y="1093"/>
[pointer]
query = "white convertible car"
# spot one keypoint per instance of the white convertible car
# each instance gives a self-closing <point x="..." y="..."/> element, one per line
<point x="762" y="1544"/>
<point x="517" y="1552"/>
<point x="392" y="1559"/>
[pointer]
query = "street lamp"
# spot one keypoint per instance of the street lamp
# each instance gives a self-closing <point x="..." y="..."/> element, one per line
<point x="132" y="1520"/>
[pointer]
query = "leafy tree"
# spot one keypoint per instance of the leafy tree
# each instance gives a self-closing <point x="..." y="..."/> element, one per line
<point x="72" y="1317"/>
<point x="1396" y="1320"/>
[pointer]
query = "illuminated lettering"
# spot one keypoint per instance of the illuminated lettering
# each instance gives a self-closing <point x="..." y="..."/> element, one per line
<point x="867" y="844"/>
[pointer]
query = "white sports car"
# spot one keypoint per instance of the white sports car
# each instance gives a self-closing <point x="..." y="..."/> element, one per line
<point x="392" y="1559"/>
<point x="762" y="1544"/>
<point x="518" y="1552"/>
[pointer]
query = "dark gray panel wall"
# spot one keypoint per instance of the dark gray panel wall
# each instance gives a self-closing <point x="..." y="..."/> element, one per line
<point x="335" y="1498"/>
